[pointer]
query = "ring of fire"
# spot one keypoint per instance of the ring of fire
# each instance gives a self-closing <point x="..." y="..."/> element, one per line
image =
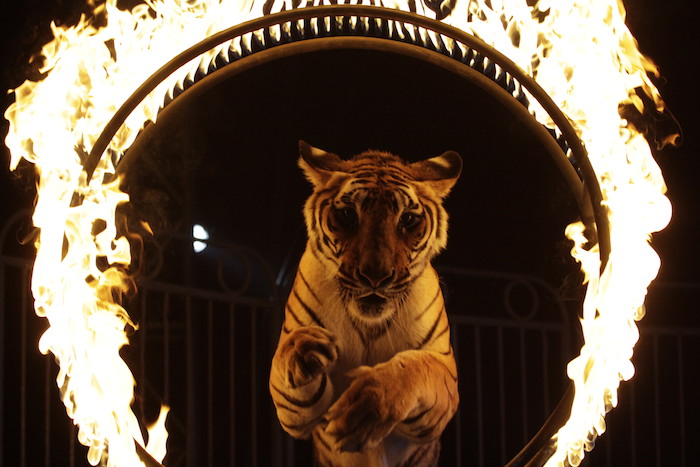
<point x="355" y="26"/>
<point x="576" y="169"/>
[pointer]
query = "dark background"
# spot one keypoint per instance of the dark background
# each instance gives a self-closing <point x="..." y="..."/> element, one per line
<point x="665" y="33"/>
<point x="203" y="162"/>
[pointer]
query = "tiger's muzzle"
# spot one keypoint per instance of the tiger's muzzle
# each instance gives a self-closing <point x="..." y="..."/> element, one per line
<point x="375" y="287"/>
<point x="374" y="278"/>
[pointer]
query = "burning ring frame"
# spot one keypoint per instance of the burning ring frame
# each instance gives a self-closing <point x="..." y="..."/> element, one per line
<point x="307" y="30"/>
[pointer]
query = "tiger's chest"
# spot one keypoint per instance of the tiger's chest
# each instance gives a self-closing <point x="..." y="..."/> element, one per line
<point x="362" y="343"/>
<point x="364" y="346"/>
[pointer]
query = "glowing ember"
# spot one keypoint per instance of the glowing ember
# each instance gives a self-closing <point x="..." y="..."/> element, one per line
<point x="579" y="51"/>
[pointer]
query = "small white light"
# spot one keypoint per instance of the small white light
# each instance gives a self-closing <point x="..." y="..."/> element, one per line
<point x="199" y="233"/>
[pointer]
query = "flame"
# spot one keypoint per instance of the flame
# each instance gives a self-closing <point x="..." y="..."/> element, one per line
<point x="90" y="71"/>
<point x="579" y="51"/>
<point x="608" y="68"/>
<point x="158" y="436"/>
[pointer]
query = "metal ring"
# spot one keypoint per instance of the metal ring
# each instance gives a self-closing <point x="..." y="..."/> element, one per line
<point x="593" y="212"/>
<point x="508" y="300"/>
<point x="376" y="34"/>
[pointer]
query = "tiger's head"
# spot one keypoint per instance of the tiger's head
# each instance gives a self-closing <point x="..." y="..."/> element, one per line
<point x="375" y="222"/>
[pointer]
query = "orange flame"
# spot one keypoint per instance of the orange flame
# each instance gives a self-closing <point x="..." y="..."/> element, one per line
<point x="579" y="51"/>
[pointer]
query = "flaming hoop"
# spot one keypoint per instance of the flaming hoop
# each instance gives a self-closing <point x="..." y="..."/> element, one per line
<point x="518" y="53"/>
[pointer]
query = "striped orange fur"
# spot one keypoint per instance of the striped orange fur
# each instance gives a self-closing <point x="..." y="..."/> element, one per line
<point x="364" y="364"/>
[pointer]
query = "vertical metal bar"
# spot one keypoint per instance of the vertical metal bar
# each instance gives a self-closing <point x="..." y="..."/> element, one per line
<point x="191" y="429"/>
<point x="23" y="373"/>
<point x="657" y="401"/>
<point x="166" y="344"/>
<point x="142" y="350"/>
<point x="3" y="306"/>
<point x="523" y="384"/>
<point x="291" y="451"/>
<point x="633" y="424"/>
<point x="479" y="395"/>
<point x="210" y="382"/>
<point x="47" y="412"/>
<point x="72" y="435"/>
<point x="232" y="384"/>
<point x="501" y="394"/>
<point x="681" y="398"/>
<point x="458" y="415"/>
<point x="608" y="449"/>
<point x="254" y="385"/>
<point x="545" y="373"/>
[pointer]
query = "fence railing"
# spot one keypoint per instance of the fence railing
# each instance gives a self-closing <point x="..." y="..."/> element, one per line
<point x="206" y="353"/>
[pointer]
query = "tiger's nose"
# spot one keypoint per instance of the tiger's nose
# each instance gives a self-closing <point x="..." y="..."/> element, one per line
<point x="376" y="278"/>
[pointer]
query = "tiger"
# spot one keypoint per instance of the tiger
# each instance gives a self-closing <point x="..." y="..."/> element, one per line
<point x="364" y="365"/>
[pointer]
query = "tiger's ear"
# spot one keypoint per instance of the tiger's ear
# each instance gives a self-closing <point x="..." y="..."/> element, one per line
<point x="317" y="164"/>
<point x="440" y="173"/>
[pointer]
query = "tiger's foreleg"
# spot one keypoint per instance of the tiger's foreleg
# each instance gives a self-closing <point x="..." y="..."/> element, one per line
<point x="414" y="394"/>
<point x="299" y="382"/>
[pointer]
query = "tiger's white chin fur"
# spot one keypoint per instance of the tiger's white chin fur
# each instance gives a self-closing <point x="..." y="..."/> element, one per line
<point x="370" y="310"/>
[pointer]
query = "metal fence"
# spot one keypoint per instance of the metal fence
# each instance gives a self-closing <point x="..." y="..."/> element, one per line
<point x="205" y="350"/>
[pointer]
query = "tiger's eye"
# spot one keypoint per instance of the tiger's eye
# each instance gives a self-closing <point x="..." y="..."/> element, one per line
<point x="409" y="221"/>
<point x="346" y="217"/>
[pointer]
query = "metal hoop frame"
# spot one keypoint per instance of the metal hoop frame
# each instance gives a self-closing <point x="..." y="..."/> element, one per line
<point x="336" y="27"/>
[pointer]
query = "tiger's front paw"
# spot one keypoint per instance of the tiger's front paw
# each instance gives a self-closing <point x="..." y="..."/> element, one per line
<point x="367" y="412"/>
<point x="307" y="353"/>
